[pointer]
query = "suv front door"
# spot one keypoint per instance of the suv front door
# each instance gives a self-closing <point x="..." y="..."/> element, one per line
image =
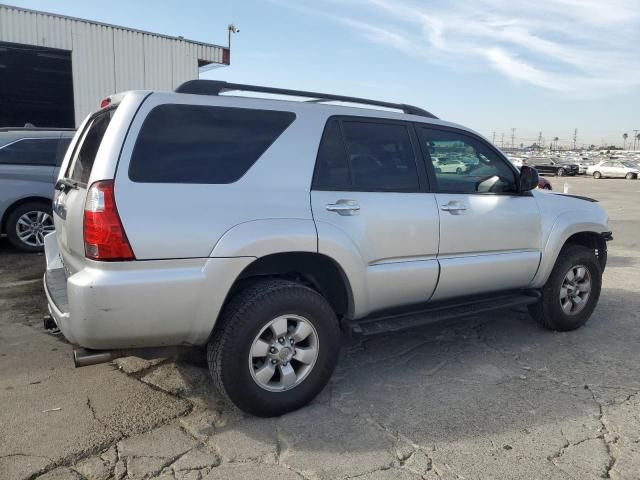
<point x="373" y="211"/>
<point x="490" y="235"/>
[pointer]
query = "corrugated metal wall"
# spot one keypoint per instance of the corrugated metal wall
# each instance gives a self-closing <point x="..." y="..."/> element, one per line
<point x="108" y="59"/>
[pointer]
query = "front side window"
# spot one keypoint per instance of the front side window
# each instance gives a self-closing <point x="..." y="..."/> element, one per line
<point x="30" y="151"/>
<point x="366" y="156"/>
<point x="203" y="144"/>
<point x="463" y="164"/>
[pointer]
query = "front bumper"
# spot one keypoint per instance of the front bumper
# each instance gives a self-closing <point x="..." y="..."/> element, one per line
<point x="112" y="305"/>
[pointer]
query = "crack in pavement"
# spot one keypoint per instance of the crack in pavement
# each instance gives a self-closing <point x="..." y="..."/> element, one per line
<point x="605" y="430"/>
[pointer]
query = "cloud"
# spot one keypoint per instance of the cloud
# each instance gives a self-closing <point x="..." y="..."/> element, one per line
<point x="582" y="48"/>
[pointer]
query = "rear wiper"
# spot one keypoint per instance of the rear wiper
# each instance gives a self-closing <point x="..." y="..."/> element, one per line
<point x="64" y="184"/>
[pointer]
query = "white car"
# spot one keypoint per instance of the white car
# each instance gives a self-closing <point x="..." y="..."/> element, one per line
<point x="450" y="166"/>
<point x="615" y="168"/>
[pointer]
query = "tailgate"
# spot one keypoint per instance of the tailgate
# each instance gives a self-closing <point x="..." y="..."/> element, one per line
<point x="72" y="185"/>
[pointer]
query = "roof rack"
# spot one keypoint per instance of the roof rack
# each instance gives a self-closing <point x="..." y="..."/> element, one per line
<point x="216" y="87"/>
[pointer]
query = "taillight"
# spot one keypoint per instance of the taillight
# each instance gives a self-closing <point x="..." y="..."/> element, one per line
<point x="104" y="236"/>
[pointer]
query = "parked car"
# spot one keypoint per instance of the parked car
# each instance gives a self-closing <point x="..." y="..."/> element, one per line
<point x="264" y="228"/>
<point x="446" y="165"/>
<point x="615" y="168"/>
<point x="29" y="162"/>
<point x="554" y="167"/>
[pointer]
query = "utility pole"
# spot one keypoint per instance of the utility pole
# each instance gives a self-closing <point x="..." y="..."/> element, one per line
<point x="575" y="137"/>
<point x="502" y="141"/>
<point x="513" y="134"/>
<point x="635" y="138"/>
<point x="494" y="138"/>
<point x="539" y="140"/>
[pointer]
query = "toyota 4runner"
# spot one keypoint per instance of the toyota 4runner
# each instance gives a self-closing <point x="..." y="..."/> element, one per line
<point x="264" y="228"/>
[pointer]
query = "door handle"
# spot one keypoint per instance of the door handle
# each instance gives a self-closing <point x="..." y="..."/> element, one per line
<point x="453" y="207"/>
<point x="344" y="207"/>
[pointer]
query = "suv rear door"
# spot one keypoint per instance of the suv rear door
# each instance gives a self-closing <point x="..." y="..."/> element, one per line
<point x="370" y="193"/>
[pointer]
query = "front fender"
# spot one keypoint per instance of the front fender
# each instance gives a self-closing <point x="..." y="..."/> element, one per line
<point x="564" y="227"/>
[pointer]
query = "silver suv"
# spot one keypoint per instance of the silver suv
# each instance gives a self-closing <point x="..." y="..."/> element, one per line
<point x="263" y="228"/>
<point x="29" y="163"/>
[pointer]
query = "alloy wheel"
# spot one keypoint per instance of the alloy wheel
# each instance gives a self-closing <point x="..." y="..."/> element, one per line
<point x="32" y="227"/>
<point x="575" y="290"/>
<point x="284" y="352"/>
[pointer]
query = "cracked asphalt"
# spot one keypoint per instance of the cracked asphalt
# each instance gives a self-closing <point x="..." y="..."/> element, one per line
<point x="492" y="396"/>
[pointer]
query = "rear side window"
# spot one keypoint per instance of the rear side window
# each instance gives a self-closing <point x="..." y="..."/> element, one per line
<point x="366" y="156"/>
<point x="85" y="156"/>
<point x="30" y="151"/>
<point x="203" y="144"/>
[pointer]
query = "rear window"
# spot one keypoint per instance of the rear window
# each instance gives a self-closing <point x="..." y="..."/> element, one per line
<point x="203" y="144"/>
<point x="85" y="153"/>
<point x="30" y="151"/>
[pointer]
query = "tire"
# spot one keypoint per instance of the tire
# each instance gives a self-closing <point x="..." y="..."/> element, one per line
<point x="630" y="176"/>
<point x="561" y="172"/>
<point x="597" y="175"/>
<point x="38" y="216"/>
<point x="459" y="171"/>
<point x="244" y="321"/>
<point x="549" y="311"/>
<point x="547" y="187"/>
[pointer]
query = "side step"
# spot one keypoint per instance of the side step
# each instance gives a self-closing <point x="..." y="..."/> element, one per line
<point x="439" y="312"/>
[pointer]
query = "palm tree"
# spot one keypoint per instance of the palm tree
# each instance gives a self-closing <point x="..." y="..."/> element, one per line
<point x="634" y="143"/>
<point x="555" y="139"/>
<point x="624" y="137"/>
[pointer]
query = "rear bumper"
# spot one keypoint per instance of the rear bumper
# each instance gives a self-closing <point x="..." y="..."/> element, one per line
<point x="138" y="304"/>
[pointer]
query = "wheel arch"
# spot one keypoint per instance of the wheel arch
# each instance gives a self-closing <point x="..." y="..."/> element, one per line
<point x="316" y="270"/>
<point x="18" y="203"/>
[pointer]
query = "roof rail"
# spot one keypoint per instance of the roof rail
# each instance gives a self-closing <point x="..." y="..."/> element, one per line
<point x="36" y="129"/>
<point x="216" y="87"/>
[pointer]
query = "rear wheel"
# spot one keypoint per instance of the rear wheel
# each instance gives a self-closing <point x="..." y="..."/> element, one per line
<point x="28" y="224"/>
<point x="459" y="171"/>
<point x="561" y="172"/>
<point x="547" y="187"/>
<point x="275" y="347"/>
<point x="572" y="290"/>
<point x="597" y="175"/>
<point x="630" y="176"/>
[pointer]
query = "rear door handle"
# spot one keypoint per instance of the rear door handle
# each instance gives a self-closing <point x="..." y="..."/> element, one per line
<point x="453" y="207"/>
<point x="344" y="207"/>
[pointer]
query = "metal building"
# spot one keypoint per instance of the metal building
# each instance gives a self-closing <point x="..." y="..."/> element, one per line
<point x="55" y="69"/>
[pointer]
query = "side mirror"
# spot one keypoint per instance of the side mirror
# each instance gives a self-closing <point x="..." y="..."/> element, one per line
<point x="529" y="178"/>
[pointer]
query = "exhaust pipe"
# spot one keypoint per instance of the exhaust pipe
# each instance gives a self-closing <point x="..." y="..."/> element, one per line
<point x="83" y="357"/>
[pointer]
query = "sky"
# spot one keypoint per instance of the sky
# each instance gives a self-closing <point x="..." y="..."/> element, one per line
<point x="548" y="66"/>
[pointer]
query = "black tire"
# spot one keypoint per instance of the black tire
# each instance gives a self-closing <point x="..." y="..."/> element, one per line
<point x="459" y="171"/>
<point x="630" y="176"/>
<point x="561" y="172"/>
<point x="547" y="187"/>
<point x="12" y="220"/>
<point x="548" y="312"/>
<point x="597" y="175"/>
<point x="241" y="321"/>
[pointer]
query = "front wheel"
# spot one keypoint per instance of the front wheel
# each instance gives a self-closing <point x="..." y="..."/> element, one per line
<point x="630" y="176"/>
<point x="597" y="175"/>
<point x="572" y="290"/>
<point x="275" y="347"/>
<point x="561" y="172"/>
